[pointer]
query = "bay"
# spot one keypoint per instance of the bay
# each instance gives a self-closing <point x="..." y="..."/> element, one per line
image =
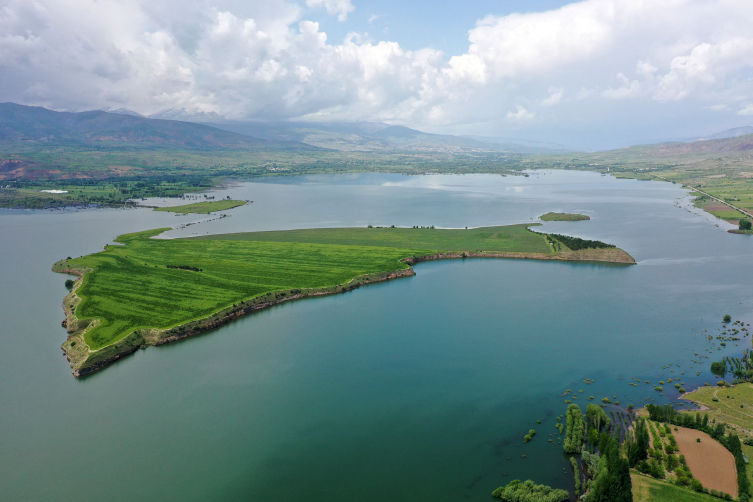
<point x="420" y="388"/>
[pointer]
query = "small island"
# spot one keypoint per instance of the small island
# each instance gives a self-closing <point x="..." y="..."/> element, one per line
<point x="153" y="291"/>
<point x="564" y="217"/>
<point x="204" y="207"/>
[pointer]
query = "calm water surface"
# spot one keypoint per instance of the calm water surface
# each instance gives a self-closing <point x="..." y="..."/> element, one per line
<point x="417" y="389"/>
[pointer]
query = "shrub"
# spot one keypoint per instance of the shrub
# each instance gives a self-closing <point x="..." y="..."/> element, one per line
<point x="696" y="485"/>
<point x="727" y="318"/>
<point x="69" y="283"/>
<point x="528" y="491"/>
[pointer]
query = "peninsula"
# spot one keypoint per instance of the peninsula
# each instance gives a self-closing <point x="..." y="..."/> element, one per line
<point x="204" y="207"/>
<point x="152" y="291"/>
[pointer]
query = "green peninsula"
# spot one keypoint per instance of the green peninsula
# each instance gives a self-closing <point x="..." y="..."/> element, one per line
<point x="204" y="207"/>
<point x="564" y="217"/>
<point x="149" y="291"/>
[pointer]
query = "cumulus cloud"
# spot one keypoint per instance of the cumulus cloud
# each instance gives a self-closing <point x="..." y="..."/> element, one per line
<point x="341" y="8"/>
<point x="520" y="114"/>
<point x="266" y="60"/>
<point x="748" y="110"/>
<point x="555" y="96"/>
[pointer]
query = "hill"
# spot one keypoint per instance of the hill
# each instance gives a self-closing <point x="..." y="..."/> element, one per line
<point x="370" y="137"/>
<point x="30" y="125"/>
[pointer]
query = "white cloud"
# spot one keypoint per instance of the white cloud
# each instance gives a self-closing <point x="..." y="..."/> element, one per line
<point x="555" y="96"/>
<point x="341" y="8"/>
<point x="748" y="110"/>
<point x="265" y="60"/>
<point x="520" y="114"/>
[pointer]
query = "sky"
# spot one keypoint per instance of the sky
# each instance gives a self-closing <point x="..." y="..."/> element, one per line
<point x="593" y="74"/>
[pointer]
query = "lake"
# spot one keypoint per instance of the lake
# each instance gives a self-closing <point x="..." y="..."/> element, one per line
<point x="415" y="389"/>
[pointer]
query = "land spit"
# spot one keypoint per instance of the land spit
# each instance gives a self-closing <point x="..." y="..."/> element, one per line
<point x="84" y="361"/>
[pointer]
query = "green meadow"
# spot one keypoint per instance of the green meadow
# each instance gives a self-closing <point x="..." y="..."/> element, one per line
<point x="647" y="489"/>
<point x="138" y="285"/>
<point x="205" y="207"/>
<point x="510" y="238"/>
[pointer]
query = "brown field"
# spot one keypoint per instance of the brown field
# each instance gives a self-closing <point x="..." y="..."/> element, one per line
<point x="710" y="462"/>
<point x="716" y="207"/>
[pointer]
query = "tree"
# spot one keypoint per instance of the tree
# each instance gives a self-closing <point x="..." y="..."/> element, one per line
<point x="745" y="224"/>
<point x="727" y="318"/>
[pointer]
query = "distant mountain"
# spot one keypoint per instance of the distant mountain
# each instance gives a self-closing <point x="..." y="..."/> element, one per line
<point x="185" y="116"/>
<point x="525" y="145"/>
<point x="123" y="111"/>
<point x="369" y="137"/>
<point x="735" y="132"/>
<point x="698" y="149"/>
<point x="31" y="124"/>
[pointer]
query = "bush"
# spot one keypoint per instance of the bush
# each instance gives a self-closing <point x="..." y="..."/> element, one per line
<point x="727" y="318"/>
<point x="696" y="485"/>
<point x="69" y="283"/>
<point x="528" y="491"/>
<point x="744" y="224"/>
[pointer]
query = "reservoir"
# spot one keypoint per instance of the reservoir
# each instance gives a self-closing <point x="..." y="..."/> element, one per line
<point x="415" y="389"/>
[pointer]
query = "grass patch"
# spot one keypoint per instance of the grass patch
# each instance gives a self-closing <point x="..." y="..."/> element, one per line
<point x="727" y="409"/>
<point x="510" y="238"/>
<point x="646" y="489"/>
<point x="205" y="207"/>
<point x="564" y="217"/>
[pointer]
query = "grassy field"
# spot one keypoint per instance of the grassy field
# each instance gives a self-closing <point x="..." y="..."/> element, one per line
<point x="511" y="238"/>
<point x="734" y="406"/>
<point x="205" y="207"/>
<point x="131" y="286"/>
<point x="646" y="489"/>
<point x="563" y="217"/>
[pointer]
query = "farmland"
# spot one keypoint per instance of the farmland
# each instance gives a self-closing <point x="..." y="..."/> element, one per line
<point x="148" y="291"/>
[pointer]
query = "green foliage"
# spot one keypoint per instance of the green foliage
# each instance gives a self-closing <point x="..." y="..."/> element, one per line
<point x="69" y="283"/>
<point x="598" y="417"/>
<point x="528" y="491"/>
<point x="576" y="474"/>
<point x="575" y="429"/>
<point x="528" y="437"/>
<point x="576" y="243"/>
<point x="637" y="445"/>
<point x="745" y="224"/>
<point x="612" y="480"/>
<point x="727" y="318"/>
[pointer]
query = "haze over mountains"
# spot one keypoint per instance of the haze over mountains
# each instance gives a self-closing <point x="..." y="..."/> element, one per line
<point x="28" y="125"/>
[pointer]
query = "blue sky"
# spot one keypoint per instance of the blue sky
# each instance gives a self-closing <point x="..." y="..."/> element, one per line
<point x="591" y="74"/>
<point x="441" y="25"/>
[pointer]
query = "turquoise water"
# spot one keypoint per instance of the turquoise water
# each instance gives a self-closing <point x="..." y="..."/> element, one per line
<point x="416" y="389"/>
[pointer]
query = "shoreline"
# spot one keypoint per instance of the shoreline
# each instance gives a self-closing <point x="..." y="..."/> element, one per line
<point x="84" y="361"/>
